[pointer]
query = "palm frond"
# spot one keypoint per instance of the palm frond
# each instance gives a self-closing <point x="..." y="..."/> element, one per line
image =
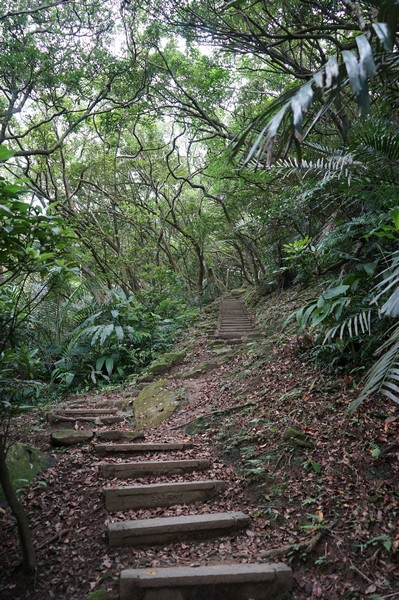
<point x="390" y="283"/>
<point x="383" y="376"/>
<point x="354" y="325"/>
<point x="291" y="108"/>
<point x="333" y="166"/>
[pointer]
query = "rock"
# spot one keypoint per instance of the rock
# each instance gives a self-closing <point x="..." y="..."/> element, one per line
<point x="296" y="437"/>
<point x="165" y="362"/>
<point x="199" y="369"/>
<point x="223" y="351"/>
<point x="100" y="594"/>
<point x="293" y="432"/>
<point x="24" y="462"/>
<point x="155" y="404"/>
<point x="238" y="292"/>
<point x="70" y="437"/>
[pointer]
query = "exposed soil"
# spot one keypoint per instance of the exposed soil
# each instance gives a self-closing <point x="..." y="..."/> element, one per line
<point x="339" y="488"/>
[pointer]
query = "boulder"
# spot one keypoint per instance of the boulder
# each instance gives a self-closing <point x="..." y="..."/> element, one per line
<point x="199" y="369"/>
<point x="154" y="404"/>
<point x="165" y="362"/>
<point x="24" y="463"/>
<point x="296" y="437"/>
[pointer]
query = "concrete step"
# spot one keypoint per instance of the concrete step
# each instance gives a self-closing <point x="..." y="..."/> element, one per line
<point x="171" y="529"/>
<point x="234" y="319"/>
<point x="237" y="327"/>
<point x="263" y="581"/>
<point x="141" y="447"/>
<point x="160" y="494"/>
<point x="233" y="329"/>
<point x="163" y="467"/>
<point x="96" y="420"/>
<point x="234" y="335"/>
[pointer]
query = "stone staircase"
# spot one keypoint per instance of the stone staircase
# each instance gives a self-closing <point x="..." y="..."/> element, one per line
<point x="234" y="322"/>
<point x="232" y="581"/>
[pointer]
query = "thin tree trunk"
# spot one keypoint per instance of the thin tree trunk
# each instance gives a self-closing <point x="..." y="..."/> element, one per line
<point x="25" y="534"/>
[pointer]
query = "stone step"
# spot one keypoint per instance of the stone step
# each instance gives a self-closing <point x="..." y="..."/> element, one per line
<point x="256" y="581"/>
<point x="236" y="326"/>
<point x="164" y="467"/>
<point x="70" y="437"/>
<point x="97" y="420"/>
<point x="86" y="412"/>
<point x="170" y="529"/>
<point x="236" y="323"/>
<point x="141" y="447"/>
<point x="160" y="494"/>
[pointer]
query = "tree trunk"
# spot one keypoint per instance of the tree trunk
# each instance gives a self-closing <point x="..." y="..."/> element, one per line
<point x="25" y="534"/>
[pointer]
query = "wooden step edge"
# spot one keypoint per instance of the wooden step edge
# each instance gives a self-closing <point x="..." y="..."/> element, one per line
<point x="140" y="447"/>
<point x="119" y="499"/>
<point x="119" y="435"/>
<point x="168" y="529"/>
<point x="137" y="469"/>
<point x="259" y="581"/>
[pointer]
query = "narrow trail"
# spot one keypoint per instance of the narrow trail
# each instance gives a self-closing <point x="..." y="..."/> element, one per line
<point x="142" y="471"/>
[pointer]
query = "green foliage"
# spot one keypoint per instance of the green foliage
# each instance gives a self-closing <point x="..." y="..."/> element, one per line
<point x="324" y="87"/>
<point x="301" y="257"/>
<point x="117" y="339"/>
<point x="33" y="246"/>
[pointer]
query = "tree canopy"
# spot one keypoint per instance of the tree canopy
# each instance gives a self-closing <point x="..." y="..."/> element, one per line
<point x="192" y="147"/>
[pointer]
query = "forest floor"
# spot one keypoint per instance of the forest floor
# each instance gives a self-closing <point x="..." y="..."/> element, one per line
<point x="321" y="487"/>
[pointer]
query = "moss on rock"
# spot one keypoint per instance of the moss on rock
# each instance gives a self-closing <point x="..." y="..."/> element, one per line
<point x="296" y="437"/>
<point x="166" y="361"/>
<point x="24" y="462"/>
<point x="199" y="369"/>
<point x="154" y="404"/>
<point x="100" y="594"/>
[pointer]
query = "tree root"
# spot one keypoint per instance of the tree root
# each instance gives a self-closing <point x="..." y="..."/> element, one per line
<point x="215" y="413"/>
<point x="306" y="546"/>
